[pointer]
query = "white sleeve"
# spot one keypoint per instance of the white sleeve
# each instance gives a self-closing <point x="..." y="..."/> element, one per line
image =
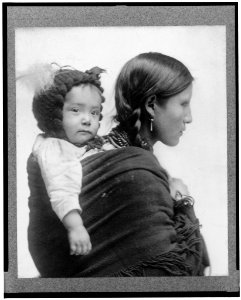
<point x="62" y="174"/>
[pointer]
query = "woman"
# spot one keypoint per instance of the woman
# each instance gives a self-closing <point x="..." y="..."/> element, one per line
<point x="136" y="227"/>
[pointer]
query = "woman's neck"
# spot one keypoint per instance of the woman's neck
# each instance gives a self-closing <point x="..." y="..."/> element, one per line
<point x="147" y="135"/>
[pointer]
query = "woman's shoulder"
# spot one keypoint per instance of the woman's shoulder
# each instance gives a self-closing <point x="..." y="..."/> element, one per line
<point x="137" y="153"/>
<point x="124" y="159"/>
<point x="109" y="151"/>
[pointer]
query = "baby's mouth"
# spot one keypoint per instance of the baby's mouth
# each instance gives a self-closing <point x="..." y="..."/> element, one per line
<point x="84" y="131"/>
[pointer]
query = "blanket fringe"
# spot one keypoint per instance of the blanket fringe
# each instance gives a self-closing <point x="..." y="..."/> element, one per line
<point x="172" y="262"/>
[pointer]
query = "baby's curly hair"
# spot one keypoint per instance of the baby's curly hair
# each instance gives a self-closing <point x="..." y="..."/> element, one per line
<point x="48" y="104"/>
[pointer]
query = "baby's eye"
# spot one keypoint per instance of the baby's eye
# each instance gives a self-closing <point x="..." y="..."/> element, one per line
<point x="75" y="109"/>
<point x="185" y="104"/>
<point x="95" y="112"/>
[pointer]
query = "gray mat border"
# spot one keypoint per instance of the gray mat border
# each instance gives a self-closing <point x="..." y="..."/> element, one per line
<point x="121" y="15"/>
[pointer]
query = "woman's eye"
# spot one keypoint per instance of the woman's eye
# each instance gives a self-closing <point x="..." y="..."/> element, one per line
<point x="185" y="104"/>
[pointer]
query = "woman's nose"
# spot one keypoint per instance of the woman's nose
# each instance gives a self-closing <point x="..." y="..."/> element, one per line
<point x="188" y="116"/>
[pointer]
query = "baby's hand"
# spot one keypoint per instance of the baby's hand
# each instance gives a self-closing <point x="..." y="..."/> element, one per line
<point x="177" y="186"/>
<point x="79" y="241"/>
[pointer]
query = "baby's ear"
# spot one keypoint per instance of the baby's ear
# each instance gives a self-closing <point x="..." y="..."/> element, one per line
<point x="150" y="104"/>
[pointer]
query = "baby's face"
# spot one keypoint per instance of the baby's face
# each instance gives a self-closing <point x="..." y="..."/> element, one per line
<point x="81" y="113"/>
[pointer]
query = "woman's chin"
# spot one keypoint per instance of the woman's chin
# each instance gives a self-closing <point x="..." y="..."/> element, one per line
<point x="171" y="143"/>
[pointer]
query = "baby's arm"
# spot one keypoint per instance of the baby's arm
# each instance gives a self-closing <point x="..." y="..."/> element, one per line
<point x="62" y="173"/>
<point x="79" y="239"/>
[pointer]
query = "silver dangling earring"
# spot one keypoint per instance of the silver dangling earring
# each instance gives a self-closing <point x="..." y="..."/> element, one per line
<point x="151" y="126"/>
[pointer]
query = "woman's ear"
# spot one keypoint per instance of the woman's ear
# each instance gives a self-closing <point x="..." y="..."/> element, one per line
<point x="150" y="104"/>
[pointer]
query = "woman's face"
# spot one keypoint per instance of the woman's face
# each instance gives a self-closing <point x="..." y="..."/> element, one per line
<point x="81" y="113"/>
<point x="170" y="119"/>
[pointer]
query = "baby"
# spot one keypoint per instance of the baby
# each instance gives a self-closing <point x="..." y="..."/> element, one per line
<point x="68" y="111"/>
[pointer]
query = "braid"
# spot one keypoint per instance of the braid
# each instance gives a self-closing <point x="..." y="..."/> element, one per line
<point x="129" y="119"/>
<point x="135" y="125"/>
<point x="129" y="130"/>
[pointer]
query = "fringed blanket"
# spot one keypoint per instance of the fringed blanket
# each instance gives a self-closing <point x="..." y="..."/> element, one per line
<point x="130" y="216"/>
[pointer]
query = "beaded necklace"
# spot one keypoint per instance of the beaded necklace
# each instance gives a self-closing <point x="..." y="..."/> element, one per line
<point x="119" y="139"/>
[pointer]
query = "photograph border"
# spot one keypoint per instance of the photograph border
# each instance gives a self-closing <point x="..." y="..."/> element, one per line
<point x="117" y="14"/>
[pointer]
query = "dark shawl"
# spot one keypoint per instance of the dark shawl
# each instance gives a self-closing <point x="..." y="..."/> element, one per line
<point x="130" y="216"/>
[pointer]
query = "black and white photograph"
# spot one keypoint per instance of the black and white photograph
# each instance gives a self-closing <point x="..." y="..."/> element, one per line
<point x="123" y="150"/>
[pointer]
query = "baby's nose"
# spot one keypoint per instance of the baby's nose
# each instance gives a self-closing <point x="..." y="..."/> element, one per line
<point x="85" y="119"/>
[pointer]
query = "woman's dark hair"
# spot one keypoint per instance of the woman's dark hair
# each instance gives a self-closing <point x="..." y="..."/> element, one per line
<point x="48" y="104"/>
<point x="141" y="77"/>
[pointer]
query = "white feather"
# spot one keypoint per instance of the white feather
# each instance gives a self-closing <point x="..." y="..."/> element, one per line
<point x="38" y="77"/>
